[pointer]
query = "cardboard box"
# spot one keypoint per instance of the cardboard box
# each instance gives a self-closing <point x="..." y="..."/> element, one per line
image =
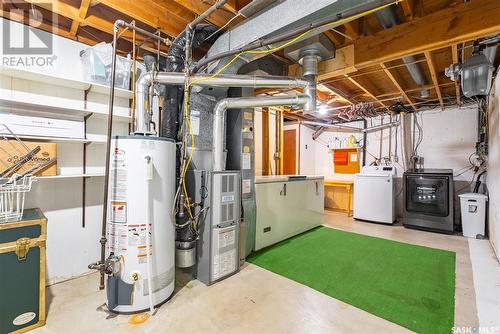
<point x="43" y="126"/>
<point x="9" y="154"/>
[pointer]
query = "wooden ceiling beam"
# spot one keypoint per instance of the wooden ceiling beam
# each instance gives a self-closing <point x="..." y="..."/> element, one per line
<point x="407" y="9"/>
<point x="235" y="5"/>
<point x="95" y="22"/>
<point x="335" y="38"/>
<point x="218" y="18"/>
<point x="82" y="14"/>
<point x="411" y="90"/>
<point x="398" y="86"/>
<point x="352" y="29"/>
<point x="45" y="27"/>
<point x="432" y="69"/>
<point x="463" y="22"/>
<point x="335" y="92"/>
<point x="150" y="13"/>
<point x="454" y="56"/>
<point x="367" y="92"/>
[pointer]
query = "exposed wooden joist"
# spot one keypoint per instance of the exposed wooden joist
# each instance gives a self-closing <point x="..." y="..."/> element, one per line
<point x="443" y="28"/>
<point x="432" y="69"/>
<point x="70" y="12"/>
<point x="235" y="5"/>
<point x="352" y="29"/>
<point x="335" y="38"/>
<point x="95" y="22"/>
<point x="336" y="93"/>
<point x="367" y="92"/>
<point x="411" y="90"/>
<point x="44" y="26"/>
<point x="218" y="18"/>
<point x="151" y="13"/>
<point x="454" y="56"/>
<point x="463" y="22"/>
<point x="398" y="86"/>
<point x="82" y="14"/>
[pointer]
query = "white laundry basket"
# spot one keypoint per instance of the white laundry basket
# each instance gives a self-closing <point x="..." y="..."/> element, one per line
<point x="473" y="209"/>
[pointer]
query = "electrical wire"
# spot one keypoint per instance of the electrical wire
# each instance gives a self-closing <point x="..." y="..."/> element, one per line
<point x="221" y="28"/>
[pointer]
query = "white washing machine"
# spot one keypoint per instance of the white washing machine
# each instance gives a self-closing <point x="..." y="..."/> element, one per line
<point x="374" y="194"/>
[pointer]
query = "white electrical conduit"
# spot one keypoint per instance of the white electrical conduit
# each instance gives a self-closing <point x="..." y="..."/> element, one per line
<point x="244" y="102"/>
<point x="343" y="127"/>
<point x="147" y="79"/>
<point x="380" y="127"/>
<point x="148" y="178"/>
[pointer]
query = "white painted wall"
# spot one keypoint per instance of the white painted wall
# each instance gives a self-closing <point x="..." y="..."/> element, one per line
<point x="493" y="176"/>
<point x="70" y="247"/>
<point x="307" y="159"/>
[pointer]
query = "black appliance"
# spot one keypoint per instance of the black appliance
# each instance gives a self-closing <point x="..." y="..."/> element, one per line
<point x="429" y="199"/>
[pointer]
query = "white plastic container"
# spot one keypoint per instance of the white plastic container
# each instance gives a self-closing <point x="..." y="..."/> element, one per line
<point x="23" y="125"/>
<point x="473" y="209"/>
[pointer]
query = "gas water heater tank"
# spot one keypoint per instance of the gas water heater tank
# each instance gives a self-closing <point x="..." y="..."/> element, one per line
<point x="142" y="187"/>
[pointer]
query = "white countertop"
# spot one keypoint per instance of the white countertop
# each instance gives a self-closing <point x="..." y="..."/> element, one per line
<point x="287" y="178"/>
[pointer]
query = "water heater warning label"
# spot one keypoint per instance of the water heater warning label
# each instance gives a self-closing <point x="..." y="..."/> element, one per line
<point x="118" y="175"/>
<point x="117" y="238"/>
<point x="137" y="234"/>
<point x="118" y="212"/>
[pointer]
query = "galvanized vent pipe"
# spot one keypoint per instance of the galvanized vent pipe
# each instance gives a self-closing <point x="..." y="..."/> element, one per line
<point x="310" y="60"/>
<point x="244" y="102"/>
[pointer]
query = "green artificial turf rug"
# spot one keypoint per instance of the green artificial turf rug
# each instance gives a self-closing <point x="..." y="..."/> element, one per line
<point x="409" y="285"/>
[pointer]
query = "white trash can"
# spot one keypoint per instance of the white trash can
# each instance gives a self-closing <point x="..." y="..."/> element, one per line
<point x="473" y="209"/>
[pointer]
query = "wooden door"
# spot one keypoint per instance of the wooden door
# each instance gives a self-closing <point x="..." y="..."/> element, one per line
<point x="290" y="152"/>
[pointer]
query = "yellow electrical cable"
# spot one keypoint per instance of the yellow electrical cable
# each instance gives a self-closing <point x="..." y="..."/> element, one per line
<point x="272" y="50"/>
<point x="188" y="120"/>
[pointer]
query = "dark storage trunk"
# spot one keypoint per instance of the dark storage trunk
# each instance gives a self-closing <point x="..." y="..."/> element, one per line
<point x="22" y="273"/>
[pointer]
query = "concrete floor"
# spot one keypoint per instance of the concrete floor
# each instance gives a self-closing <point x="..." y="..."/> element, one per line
<point x="255" y="300"/>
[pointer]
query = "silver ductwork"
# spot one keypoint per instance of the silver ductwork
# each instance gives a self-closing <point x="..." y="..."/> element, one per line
<point x="145" y="82"/>
<point x="281" y="18"/>
<point x="388" y="18"/>
<point x="244" y="102"/>
<point x="254" y="7"/>
<point x="332" y="126"/>
<point x="308" y="53"/>
<point x="285" y="15"/>
<point x="310" y="68"/>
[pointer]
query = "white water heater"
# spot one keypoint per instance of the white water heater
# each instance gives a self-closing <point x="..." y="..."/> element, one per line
<point x="141" y="233"/>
